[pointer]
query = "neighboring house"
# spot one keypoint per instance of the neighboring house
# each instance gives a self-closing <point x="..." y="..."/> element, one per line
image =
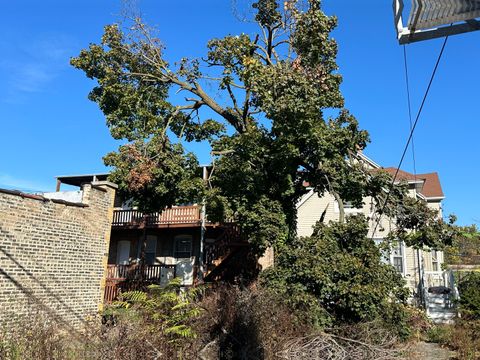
<point x="412" y="264"/>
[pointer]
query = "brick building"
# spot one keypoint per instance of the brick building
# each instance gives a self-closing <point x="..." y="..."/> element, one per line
<point x="53" y="253"/>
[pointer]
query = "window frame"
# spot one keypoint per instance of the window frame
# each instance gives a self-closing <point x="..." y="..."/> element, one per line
<point x="347" y="207"/>
<point x="435" y="260"/>
<point x="179" y="238"/>
<point x="402" y="256"/>
<point x="151" y="239"/>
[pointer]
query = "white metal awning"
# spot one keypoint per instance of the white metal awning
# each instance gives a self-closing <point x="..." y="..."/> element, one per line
<point x="430" y="19"/>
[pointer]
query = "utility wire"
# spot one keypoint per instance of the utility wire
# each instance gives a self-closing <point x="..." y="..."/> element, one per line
<point x="407" y="83"/>
<point x="411" y="135"/>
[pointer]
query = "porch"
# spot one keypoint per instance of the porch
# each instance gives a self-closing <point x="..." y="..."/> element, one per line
<point x="440" y="294"/>
<point x="128" y="277"/>
<point x="157" y="247"/>
<point x="176" y="216"/>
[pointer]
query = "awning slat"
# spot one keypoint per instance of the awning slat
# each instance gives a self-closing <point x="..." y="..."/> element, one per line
<point x="426" y="14"/>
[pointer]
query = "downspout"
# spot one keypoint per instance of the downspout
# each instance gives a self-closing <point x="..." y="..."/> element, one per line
<point x="203" y="230"/>
<point x="421" y="279"/>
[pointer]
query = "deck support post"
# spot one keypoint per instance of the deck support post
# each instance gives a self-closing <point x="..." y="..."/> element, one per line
<point x="202" y="230"/>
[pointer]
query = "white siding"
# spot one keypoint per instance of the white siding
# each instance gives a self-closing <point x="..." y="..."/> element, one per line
<point x="311" y="208"/>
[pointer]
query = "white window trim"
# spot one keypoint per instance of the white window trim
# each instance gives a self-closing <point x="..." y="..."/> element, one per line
<point x="404" y="258"/>
<point x="390" y="256"/>
<point x="437" y="260"/>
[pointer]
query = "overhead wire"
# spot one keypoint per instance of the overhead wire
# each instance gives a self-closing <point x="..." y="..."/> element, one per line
<point x="407" y="84"/>
<point x="412" y="130"/>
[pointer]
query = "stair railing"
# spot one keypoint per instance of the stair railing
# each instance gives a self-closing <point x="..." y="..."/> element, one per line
<point x="221" y="247"/>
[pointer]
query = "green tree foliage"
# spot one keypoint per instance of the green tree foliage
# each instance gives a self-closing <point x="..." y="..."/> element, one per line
<point x="267" y="138"/>
<point x="465" y="249"/>
<point x="168" y="309"/>
<point x="420" y="226"/>
<point x="469" y="288"/>
<point x="337" y="274"/>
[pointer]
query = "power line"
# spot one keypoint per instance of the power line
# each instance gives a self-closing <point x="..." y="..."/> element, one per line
<point x="411" y="134"/>
<point x="407" y="83"/>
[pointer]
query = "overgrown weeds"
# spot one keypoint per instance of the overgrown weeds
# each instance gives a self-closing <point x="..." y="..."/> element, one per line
<point x="234" y="323"/>
<point x="463" y="337"/>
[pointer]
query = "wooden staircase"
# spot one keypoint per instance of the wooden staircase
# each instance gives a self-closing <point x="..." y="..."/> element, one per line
<point x="219" y="254"/>
<point x="440" y="307"/>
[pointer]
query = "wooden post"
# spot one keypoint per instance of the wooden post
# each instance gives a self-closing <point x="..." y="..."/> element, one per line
<point x="143" y="247"/>
<point x="203" y="230"/>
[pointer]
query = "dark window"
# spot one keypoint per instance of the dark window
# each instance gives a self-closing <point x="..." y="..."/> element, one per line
<point x="397" y="256"/>
<point x="398" y="264"/>
<point x="434" y="260"/>
<point x="183" y="247"/>
<point x="151" y="250"/>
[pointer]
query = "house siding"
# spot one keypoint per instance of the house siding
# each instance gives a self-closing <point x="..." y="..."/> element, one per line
<point x="312" y="206"/>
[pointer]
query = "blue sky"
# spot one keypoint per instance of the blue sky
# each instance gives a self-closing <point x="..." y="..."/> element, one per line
<point x="49" y="127"/>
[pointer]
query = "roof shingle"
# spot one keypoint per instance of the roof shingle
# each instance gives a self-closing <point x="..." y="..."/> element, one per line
<point x="431" y="182"/>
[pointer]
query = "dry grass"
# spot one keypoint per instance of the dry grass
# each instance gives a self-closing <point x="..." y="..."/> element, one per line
<point x="236" y="324"/>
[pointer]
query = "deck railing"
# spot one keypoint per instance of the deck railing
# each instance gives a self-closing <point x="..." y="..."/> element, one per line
<point x="122" y="277"/>
<point x="171" y="216"/>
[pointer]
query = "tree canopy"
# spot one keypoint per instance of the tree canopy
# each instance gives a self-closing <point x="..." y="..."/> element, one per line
<point x="283" y="125"/>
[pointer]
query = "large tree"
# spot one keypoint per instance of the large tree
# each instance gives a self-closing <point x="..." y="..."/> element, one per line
<point x="268" y="138"/>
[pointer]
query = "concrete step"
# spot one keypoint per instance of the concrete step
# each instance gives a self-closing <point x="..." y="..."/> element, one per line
<point x="442" y="311"/>
<point x="443" y="318"/>
<point x="438" y="296"/>
<point x="447" y="304"/>
<point x="437" y="301"/>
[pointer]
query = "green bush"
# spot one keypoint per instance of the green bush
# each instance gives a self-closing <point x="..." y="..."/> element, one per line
<point x="337" y="276"/>
<point x="440" y="334"/>
<point x="469" y="288"/>
<point x="168" y="309"/>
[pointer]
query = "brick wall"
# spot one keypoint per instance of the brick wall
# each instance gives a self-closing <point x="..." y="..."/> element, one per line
<point x="53" y="254"/>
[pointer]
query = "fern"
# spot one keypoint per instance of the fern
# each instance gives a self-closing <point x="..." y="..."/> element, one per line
<point x="135" y="296"/>
<point x="170" y="309"/>
<point x="181" y="331"/>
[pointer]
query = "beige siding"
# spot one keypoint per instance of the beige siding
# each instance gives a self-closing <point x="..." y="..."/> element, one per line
<point x="311" y="208"/>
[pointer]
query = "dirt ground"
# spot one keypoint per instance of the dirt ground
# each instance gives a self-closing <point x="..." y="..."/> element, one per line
<point x="424" y="350"/>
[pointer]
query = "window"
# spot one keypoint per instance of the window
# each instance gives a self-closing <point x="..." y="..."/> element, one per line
<point x="434" y="260"/>
<point x="392" y="254"/>
<point x="397" y="256"/>
<point x="348" y="205"/>
<point x="123" y="252"/>
<point x="381" y="243"/>
<point x="183" y="246"/>
<point x="151" y="249"/>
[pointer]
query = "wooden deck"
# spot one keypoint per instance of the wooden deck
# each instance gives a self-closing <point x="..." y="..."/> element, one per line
<point x="177" y="216"/>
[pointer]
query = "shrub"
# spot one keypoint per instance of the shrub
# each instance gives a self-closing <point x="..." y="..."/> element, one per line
<point x="461" y="337"/>
<point x="469" y="288"/>
<point x="337" y="275"/>
<point x="248" y="323"/>
<point x="440" y="334"/>
<point x="170" y="309"/>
